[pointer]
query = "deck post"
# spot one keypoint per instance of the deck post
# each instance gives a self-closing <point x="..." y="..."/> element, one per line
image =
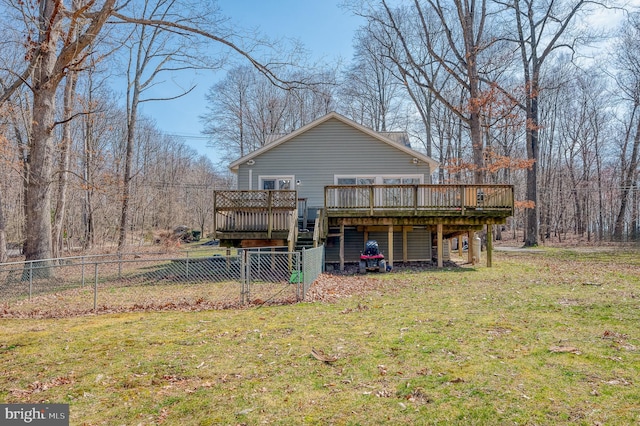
<point x="470" y="247"/>
<point x="371" y="200"/>
<point x="269" y="214"/>
<point x="405" y="245"/>
<point x="342" y="246"/>
<point x="440" y="246"/>
<point x="215" y="224"/>
<point x="489" y="244"/>
<point x="390" y="237"/>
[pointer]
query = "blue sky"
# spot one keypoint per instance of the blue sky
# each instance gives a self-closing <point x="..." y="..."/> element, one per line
<point x="325" y="29"/>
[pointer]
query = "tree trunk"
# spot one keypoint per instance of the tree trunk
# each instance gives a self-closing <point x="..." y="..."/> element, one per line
<point x="532" y="223"/>
<point x="628" y="180"/>
<point x="126" y="188"/>
<point x="63" y="172"/>
<point x="635" y="226"/>
<point x="475" y="103"/>
<point x="87" y="208"/>
<point x="3" y="234"/>
<point x="41" y="150"/>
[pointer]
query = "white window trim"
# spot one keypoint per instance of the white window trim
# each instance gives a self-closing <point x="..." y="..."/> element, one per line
<point x="291" y="178"/>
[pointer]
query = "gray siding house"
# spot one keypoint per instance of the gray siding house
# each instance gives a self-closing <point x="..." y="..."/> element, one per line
<point x="344" y="184"/>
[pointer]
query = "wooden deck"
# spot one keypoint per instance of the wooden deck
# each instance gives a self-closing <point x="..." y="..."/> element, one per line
<point x="448" y="210"/>
<point x="254" y="215"/>
<point x="419" y="200"/>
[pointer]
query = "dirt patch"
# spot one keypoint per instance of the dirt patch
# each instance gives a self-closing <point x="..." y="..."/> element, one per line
<point x="352" y="268"/>
<point x="335" y="284"/>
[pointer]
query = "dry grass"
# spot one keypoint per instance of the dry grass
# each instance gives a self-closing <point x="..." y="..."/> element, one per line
<point x="547" y="338"/>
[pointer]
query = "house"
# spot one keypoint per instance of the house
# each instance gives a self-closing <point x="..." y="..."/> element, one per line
<point x="338" y="183"/>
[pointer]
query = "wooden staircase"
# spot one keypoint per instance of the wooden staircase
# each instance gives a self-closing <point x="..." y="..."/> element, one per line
<point x="305" y="240"/>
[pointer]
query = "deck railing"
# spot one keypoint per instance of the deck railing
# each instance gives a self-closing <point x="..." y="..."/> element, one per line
<point x="254" y="211"/>
<point x="273" y="211"/>
<point x="454" y="198"/>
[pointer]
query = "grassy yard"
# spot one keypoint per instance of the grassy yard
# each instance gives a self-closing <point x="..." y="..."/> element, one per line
<point x="540" y="338"/>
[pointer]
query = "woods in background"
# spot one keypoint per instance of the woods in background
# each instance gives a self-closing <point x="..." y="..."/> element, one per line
<point x="531" y="93"/>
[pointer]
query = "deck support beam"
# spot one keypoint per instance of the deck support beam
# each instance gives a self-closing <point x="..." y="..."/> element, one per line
<point x="470" y="247"/>
<point x="489" y="245"/>
<point x="390" y="236"/>
<point x="342" y="246"/>
<point x="405" y="244"/>
<point x="440" y="246"/>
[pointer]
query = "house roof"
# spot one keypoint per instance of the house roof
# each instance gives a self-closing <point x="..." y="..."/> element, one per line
<point x="390" y="138"/>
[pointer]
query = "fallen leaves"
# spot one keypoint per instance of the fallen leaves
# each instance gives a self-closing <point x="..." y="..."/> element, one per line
<point x="384" y="393"/>
<point x="618" y="382"/>
<point x="358" y="308"/>
<point x="320" y="355"/>
<point x="37" y="387"/>
<point x="613" y="335"/>
<point x="419" y="396"/>
<point x="619" y="339"/>
<point x="330" y="288"/>
<point x="564" y="349"/>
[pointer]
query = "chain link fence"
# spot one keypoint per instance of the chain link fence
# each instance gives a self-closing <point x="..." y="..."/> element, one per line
<point x="215" y="278"/>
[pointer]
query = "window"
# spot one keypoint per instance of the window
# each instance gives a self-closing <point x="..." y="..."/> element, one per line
<point x="354" y="197"/>
<point x="276" y="182"/>
<point x="378" y="180"/>
<point x="399" y="196"/>
<point x="369" y="180"/>
<point x="388" y="197"/>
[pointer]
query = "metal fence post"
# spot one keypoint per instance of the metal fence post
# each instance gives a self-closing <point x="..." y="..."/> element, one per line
<point x="247" y="277"/>
<point x="30" y="278"/>
<point x="82" y="271"/>
<point x="241" y="256"/>
<point x="95" y="287"/>
<point x="301" y="262"/>
<point x="119" y="266"/>
<point x="187" y="271"/>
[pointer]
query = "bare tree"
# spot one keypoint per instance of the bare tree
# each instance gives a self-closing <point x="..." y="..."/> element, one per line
<point x="370" y="90"/>
<point x="52" y="49"/>
<point x="452" y="36"/>
<point x="245" y="110"/>
<point x="64" y="150"/>
<point x="628" y="79"/>
<point x="154" y="52"/>
<point x="227" y="119"/>
<point x="542" y="27"/>
<point x="3" y="224"/>
<point x="201" y="182"/>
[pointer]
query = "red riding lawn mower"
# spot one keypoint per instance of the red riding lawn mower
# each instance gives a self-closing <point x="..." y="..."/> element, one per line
<point x="371" y="259"/>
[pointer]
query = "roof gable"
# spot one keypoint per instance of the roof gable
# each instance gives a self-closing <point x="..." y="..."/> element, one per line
<point x="387" y="138"/>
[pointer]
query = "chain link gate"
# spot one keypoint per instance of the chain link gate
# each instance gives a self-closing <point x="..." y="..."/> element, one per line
<point x="271" y="274"/>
